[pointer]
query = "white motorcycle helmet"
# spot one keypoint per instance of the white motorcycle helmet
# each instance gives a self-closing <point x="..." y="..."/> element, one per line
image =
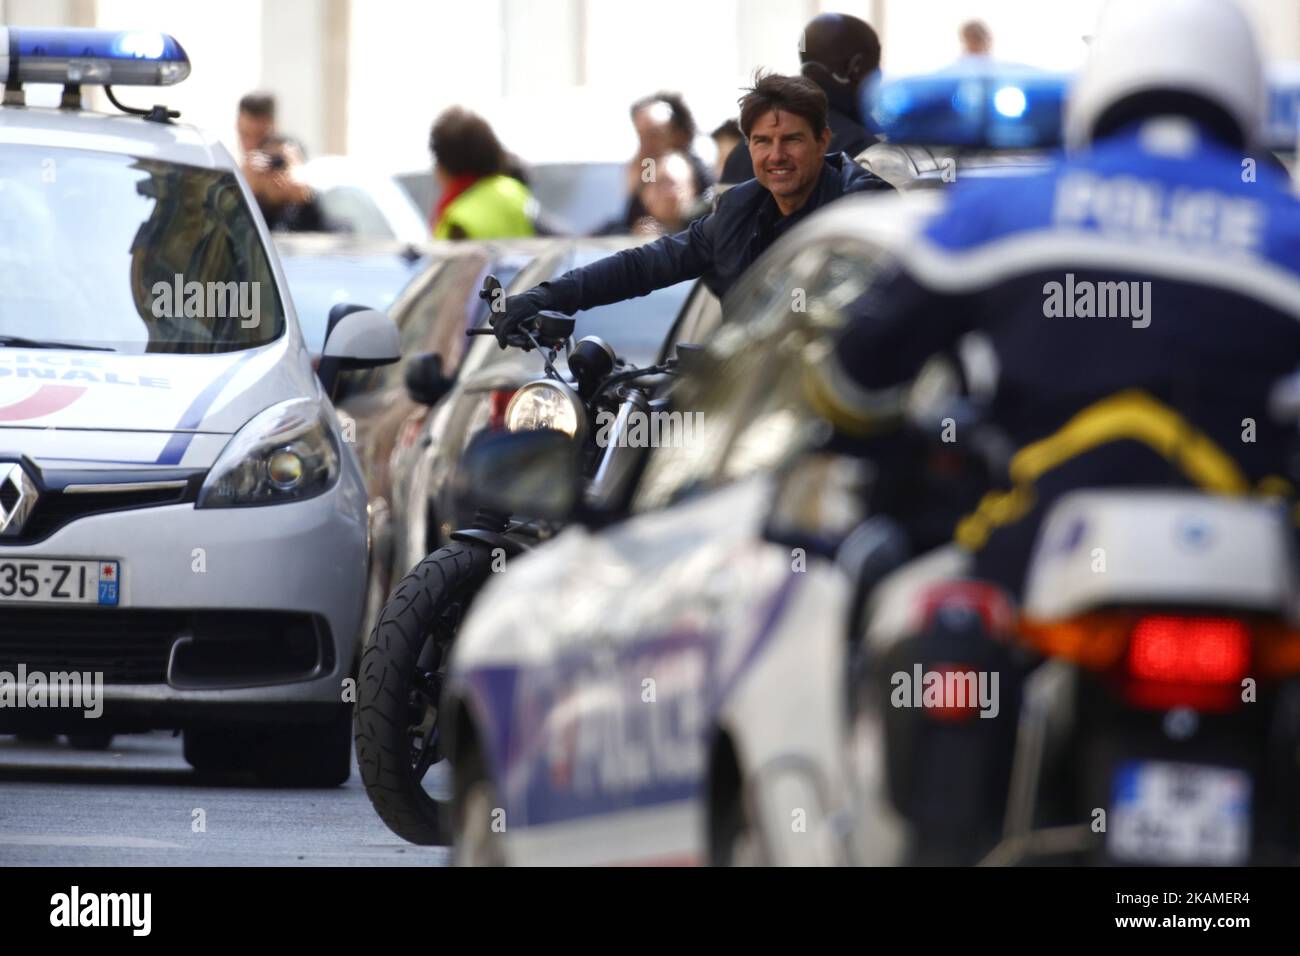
<point x="1150" y="54"/>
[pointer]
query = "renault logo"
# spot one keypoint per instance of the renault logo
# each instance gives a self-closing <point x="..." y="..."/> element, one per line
<point x="17" y="498"/>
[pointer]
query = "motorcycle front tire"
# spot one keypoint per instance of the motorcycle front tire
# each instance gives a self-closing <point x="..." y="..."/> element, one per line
<point x="437" y="591"/>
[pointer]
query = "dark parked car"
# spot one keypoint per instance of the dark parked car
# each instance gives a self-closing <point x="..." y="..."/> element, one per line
<point x="376" y="405"/>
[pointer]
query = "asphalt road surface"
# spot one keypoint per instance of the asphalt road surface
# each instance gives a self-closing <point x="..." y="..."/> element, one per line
<point x="134" y="805"/>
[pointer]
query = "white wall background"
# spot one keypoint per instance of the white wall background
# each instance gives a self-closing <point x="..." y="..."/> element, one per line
<point x="554" y="76"/>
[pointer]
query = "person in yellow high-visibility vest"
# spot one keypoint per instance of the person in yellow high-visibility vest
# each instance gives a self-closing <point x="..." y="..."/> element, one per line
<point x="477" y="201"/>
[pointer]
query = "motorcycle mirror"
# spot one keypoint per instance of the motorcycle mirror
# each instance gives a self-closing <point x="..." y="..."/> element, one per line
<point x="532" y="474"/>
<point x="491" y="289"/>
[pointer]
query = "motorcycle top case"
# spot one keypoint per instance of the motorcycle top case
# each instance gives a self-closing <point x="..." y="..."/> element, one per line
<point x="1148" y="547"/>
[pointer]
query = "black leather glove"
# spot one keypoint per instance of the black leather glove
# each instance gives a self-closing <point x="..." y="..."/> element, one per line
<point x="518" y="309"/>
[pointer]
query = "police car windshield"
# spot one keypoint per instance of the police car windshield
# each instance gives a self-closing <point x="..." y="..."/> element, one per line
<point x="130" y="254"/>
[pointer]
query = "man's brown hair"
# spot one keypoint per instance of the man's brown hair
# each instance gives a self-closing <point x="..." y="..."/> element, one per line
<point x="794" y="94"/>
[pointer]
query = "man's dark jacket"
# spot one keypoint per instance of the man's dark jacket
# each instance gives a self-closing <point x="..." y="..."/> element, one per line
<point x="718" y="247"/>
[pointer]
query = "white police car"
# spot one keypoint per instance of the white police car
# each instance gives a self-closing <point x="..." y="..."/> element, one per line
<point x="670" y="688"/>
<point x="675" y="686"/>
<point x="180" y="516"/>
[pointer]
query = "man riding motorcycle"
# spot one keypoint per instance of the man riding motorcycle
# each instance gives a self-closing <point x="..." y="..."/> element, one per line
<point x="785" y="121"/>
<point x="1141" y="297"/>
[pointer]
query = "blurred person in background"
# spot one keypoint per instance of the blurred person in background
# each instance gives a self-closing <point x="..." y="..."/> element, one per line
<point x="671" y="200"/>
<point x="725" y="138"/>
<point x="785" y="119"/>
<point x="270" y="163"/>
<point x="479" y="198"/>
<point x="287" y="204"/>
<point x="976" y="38"/>
<point x="544" y="224"/>
<point x="664" y="124"/>
<point x="838" y="53"/>
<point x="255" y="121"/>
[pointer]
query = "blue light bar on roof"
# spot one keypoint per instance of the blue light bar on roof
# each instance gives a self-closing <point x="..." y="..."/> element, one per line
<point x="98" y="57"/>
<point x="988" y="105"/>
<point x="1282" y="126"/>
<point x="975" y="104"/>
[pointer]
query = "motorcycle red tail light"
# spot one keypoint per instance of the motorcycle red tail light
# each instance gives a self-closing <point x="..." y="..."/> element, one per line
<point x="498" y="400"/>
<point x="1161" y="661"/>
<point x="1196" y="650"/>
<point x="1195" y="662"/>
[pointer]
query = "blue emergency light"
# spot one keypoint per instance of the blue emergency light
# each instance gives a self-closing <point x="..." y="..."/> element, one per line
<point x="1283" y="122"/>
<point x="75" y="56"/>
<point x="982" y="104"/>
<point x="978" y="105"/>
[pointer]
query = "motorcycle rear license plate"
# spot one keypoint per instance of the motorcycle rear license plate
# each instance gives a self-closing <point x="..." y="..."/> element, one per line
<point x="1179" y="813"/>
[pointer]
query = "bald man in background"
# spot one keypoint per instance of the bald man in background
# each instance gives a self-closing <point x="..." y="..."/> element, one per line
<point x="838" y="52"/>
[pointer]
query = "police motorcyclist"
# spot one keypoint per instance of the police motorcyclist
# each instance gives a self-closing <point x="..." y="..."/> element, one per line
<point x="785" y="119"/>
<point x="1141" y="298"/>
<point x="1166" y="212"/>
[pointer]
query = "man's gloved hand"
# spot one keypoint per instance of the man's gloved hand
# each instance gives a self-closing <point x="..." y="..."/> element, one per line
<point x="518" y="309"/>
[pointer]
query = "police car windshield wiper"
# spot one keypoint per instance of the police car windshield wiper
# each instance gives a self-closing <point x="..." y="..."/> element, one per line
<point x="19" y="342"/>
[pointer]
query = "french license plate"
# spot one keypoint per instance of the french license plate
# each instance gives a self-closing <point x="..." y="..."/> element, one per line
<point x="1177" y="813"/>
<point x="58" y="581"/>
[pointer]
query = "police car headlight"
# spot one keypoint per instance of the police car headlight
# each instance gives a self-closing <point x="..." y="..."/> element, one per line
<point x="287" y="453"/>
<point x="545" y="404"/>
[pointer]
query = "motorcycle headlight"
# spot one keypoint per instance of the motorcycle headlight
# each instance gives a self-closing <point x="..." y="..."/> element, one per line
<point x="286" y="453"/>
<point x="545" y="404"/>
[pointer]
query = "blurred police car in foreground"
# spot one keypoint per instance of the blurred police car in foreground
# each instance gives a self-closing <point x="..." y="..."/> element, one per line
<point x="683" y="698"/>
<point x="673" y="685"/>
<point x="178" y="512"/>
<point x="670" y="687"/>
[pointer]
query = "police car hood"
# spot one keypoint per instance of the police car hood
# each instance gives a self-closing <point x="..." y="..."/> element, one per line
<point x="108" y="409"/>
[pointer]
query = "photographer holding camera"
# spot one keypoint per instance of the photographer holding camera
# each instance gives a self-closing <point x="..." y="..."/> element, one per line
<point x="270" y="161"/>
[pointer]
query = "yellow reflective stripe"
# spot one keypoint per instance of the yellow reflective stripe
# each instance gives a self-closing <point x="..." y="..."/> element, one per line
<point x="1274" y="486"/>
<point x="995" y="508"/>
<point x="1135" y="416"/>
<point x="1130" y="415"/>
